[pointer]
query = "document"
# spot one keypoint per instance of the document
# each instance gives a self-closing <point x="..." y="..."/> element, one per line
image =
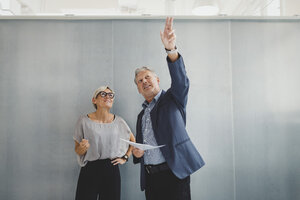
<point x="142" y="146"/>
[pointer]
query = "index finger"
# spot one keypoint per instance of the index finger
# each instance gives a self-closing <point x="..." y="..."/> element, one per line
<point x="168" y="25"/>
<point x="84" y="140"/>
<point x="171" y="23"/>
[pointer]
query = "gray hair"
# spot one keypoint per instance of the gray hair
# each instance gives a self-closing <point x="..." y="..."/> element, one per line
<point x="144" y="68"/>
<point x="97" y="91"/>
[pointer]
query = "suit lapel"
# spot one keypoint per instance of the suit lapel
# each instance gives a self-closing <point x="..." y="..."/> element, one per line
<point x="139" y="135"/>
<point x="153" y="112"/>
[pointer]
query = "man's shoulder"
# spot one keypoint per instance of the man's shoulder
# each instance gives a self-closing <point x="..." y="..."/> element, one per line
<point x="165" y="95"/>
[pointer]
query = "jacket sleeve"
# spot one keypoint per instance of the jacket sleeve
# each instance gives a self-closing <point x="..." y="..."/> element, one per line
<point x="136" y="160"/>
<point x="179" y="81"/>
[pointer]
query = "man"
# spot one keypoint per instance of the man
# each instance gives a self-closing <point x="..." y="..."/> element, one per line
<point x="165" y="172"/>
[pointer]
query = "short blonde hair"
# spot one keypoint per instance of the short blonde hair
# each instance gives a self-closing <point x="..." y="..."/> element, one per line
<point x="97" y="91"/>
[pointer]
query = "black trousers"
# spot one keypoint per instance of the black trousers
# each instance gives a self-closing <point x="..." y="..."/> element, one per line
<point x="165" y="185"/>
<point x="99" y="178"/>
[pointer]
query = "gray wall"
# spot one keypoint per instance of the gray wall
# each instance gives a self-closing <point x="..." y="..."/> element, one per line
<point x="243" y="109"/>
<point x="266" y="109"/>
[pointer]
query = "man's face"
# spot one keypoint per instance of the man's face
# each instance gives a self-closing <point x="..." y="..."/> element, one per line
<point x="147" y="84"/>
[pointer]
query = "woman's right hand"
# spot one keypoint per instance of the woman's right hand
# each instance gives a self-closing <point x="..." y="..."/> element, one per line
<point x="137" y="152"/>
<point x="82" y="147"/>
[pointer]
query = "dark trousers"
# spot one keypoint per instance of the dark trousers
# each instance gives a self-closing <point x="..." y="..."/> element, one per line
<point x="165" y="185"/>
<point x="99" y="178"/>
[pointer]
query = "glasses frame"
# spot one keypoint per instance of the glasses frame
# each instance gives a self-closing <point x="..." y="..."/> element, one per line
<point x="103" y="94"/>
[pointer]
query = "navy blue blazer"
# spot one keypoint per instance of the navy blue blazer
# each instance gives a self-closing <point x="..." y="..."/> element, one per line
<point x="168" y="118"/>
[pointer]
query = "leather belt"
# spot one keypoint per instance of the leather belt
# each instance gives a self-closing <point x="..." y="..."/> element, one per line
<point x="152" y="169"/>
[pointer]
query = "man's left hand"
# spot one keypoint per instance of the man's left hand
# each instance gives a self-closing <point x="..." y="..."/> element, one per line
<point x="168" y="36"/>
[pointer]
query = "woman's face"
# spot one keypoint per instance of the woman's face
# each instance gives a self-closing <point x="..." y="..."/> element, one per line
<point x="105" y="99"/>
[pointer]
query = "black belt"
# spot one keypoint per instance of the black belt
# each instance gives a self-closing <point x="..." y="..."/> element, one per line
<point x="152" y="169"/>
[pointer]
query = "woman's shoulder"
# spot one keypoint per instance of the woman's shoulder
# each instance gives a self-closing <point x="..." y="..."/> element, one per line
<point x="120" y="120"/>
<point x="82" y="118"/>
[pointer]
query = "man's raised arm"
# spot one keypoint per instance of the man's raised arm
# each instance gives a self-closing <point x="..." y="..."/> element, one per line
<point x="168" y="39"/>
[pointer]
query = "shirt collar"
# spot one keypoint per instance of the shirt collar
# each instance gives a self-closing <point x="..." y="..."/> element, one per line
<point x="146" y="104"/>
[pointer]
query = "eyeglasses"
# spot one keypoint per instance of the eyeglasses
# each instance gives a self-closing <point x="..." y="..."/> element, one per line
<point x="109" y="94"/>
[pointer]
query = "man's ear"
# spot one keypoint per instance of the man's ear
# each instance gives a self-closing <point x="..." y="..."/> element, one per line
<point x="93" y="100"/>
<point x="157" y="79"/>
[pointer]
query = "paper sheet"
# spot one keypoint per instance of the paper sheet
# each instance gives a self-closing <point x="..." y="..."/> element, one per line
<point x="142" y="146"/>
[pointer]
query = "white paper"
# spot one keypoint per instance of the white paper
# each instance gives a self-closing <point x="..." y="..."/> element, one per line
<point x="142" y="146"/>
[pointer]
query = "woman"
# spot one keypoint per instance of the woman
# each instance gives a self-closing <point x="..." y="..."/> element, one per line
<point x="99" y="149"/>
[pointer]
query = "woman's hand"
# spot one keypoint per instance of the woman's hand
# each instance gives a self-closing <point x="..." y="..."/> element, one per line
<point x="82" y="147"/>
<point x="137" y="152"/>
<point x="117" y="161"/>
